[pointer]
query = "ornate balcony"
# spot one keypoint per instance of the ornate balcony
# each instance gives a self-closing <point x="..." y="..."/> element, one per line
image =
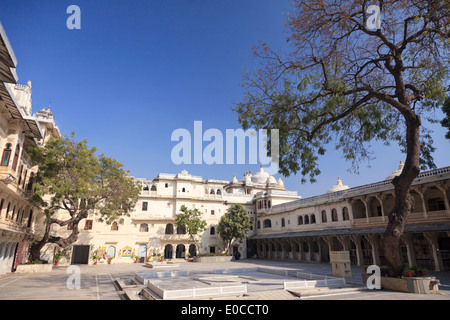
<point x="416" y="217"/>
<point x="174" y="238"/>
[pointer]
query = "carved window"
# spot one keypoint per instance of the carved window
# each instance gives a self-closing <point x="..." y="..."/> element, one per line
<point x="143" y="227"/>
<point x="6" y="155"/>
<point x="267" y="223"/>
<point x="115" y="226"/>
<point x="324" y="216"/>
<point x="169" y="229"/>
<point x="88" y="225"/>
<point x="334" y="216"/>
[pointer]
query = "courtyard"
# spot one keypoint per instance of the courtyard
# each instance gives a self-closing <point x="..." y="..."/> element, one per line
<point x="101" y="282"/>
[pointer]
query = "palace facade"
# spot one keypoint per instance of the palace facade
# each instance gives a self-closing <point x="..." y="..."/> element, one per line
<point x="354" y="220"/>
<point x="285" y="226"/>
<point x="151" y="227"/>
<point x="19" y="130"/>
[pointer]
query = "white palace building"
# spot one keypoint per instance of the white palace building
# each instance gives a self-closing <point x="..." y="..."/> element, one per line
<point x="285" y="227"/>
<point x="20" y="129"/>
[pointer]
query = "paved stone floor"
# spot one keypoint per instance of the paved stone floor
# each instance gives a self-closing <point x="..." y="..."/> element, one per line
<point x="97" y="282"/>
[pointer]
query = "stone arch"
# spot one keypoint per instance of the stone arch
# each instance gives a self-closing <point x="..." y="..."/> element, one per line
<point x="181" y="229"/>
<point x="345" y="214"/>
<point x="180" y="251"/>
<point x="169" y="228"/>
<point x="323" y="216"/>
<point x="192" y="250"/>
<point x="374" y="209"/>
<point x="168" y="251"/>
<point x="358" y="209"/>
<point x="334" y="215"/>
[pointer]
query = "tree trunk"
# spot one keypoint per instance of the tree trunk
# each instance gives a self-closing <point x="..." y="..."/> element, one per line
<point x="36" y="247"/>
<point x="404" y="202"/>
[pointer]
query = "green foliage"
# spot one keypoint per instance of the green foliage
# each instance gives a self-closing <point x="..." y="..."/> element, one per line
<point x="72" y="178"/>
<point x="337" y="82"/>
<point x="446" y="121"/>
<point x="211" y="254"/>
<point x="192" y="221"/>
<point x="234" y="224"/>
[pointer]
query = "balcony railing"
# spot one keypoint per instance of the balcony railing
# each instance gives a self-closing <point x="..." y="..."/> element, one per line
<point x="416" y="217"/>
<point x="147" y="217"/>
<point x="174" y="237"/>
<point x="7" y="175"/>
<point x="16" y="226"/>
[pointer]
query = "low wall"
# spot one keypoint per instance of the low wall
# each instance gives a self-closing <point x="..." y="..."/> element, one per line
<point x="144" y="277"/>
<point x="422" y="285"/>
<point x="211" y="259"/>
<point x="32" y="268"/>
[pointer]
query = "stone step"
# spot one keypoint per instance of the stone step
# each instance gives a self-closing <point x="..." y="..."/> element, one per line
<point x="325" y="290"/>
<point x="280" y="294"/>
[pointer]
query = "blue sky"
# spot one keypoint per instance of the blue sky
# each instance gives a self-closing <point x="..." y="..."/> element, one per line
<point x="140" y="69"/>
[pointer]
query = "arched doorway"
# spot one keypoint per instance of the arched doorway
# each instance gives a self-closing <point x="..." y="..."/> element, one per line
<point x="192" y="250"/>
<point x="181" y="251"/>
<point x="142" y="252"/>
<point x="111" y="251"/>
<point x="168" y="251"/>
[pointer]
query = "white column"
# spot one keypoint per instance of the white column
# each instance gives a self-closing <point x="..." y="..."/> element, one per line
<point x="407" y="239"/>
<point x="432" y="239"/>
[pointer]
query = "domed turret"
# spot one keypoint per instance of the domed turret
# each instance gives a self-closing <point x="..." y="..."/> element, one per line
<point x="397" y="172"/>
<point x="260" y="177"/>
<point x="247" y="178"/>
<point x="280" y="182"/>
<point x="338" y="187"/>
<point x="271" y="180"/>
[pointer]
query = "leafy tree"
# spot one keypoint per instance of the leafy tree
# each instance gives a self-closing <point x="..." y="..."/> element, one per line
<point x="192" y="221"/>
<point x="234" y="225"/>
<point x="73" y="180"/>
<point x="342" y="81"/>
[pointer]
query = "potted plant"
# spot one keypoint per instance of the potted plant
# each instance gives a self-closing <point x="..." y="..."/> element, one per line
<point x="57" y="257"/>
<point x="420" y="272"/>
<point x="94" y="256"/>
<point x="408" y="273"/>
<point x="109" y="259"/>
<point x="136" y="258"/>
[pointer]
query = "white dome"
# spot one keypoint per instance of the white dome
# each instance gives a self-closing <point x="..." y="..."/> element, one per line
<point x="271" y="180"/>
<point x="338" y="187"/>
<point x="260" y="177"/>
<point x="280" y="182"/>
<point x="396" y="173"/>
